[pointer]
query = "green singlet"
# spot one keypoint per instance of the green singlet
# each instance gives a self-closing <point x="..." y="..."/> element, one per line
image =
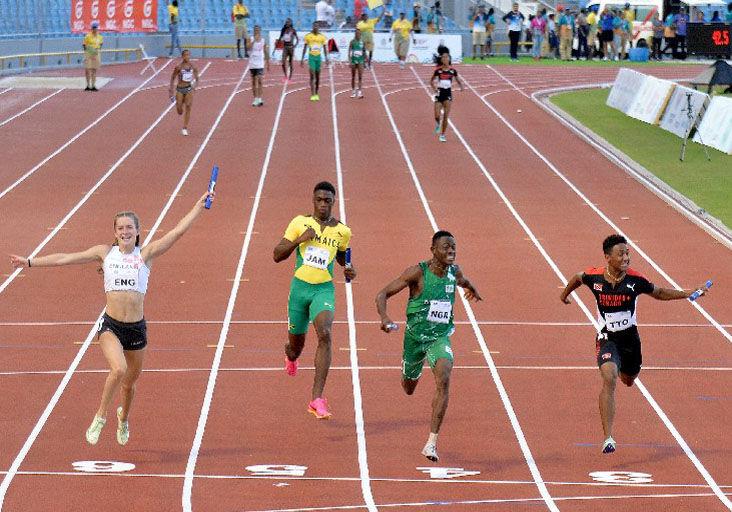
<point x="429" y="315"/>
<point x="357" y="52"/>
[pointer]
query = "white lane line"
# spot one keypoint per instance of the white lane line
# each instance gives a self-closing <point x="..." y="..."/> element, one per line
<point x="186" y="500"/>
<point x="372" y="368"/>
<point x="85" y="345"/>
<point x="433" y="481"/>
<point x="31" y="107"/>
<point x="531" y="463"/>
<point x="667" y="422"/>
<point x="6" y="90"/>
<point x="363" y="463"/>
<point x="365" y="322"/>
<point x="599" y="212"/>
<point x="75" y="137"/>
<point x="88" y="194"/>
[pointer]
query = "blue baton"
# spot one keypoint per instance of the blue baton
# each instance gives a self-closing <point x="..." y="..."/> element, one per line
<point x="212" y="185"/>
<point x="348" y="261"/>
<point x="700" y="292"/>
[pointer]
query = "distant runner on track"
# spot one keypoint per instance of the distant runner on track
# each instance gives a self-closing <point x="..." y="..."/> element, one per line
<point x="122" y="332"/>
<point x="430" y="314"/>
<point x="186" y="75"/>
<point x="318" y="241"/>
<point x="441" y="84"/>
<point x="616" y="288"/>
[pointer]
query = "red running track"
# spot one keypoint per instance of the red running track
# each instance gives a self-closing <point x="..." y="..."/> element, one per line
<point x="218" y="426"/>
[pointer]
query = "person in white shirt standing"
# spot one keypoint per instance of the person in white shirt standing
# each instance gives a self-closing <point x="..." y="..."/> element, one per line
<point x="258" y="56"/>
<point x="324" y="14"/>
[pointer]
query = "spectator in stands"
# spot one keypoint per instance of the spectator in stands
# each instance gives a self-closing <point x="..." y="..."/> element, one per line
<point x="582" y="28"/>
<point x="681" y="20"/>
<point x="607" y="37"/>
<point x="628" y="13"/>
<point x="358" y="8"/>
<point x="538" y="29"/>
<point x="728" y="16"/>
<point x="479" y="22"/>
<point x="489" y="27"/>
<point x="173" y="27"/>
<point x="699" y="16"/>
<point x="366" y="25"/>
<point x="417" y="19"/>
<point x="528" y="36"/>
<point x="401" y="33"/>
<point x="625" y="35"/>
<point x="669" y="34"/>
<point x="435" y="16"/>
<point x="716" y="18"/>
<point x="388" y="13"/>
<point x="565" y="25"/>
<point x="551" y="31"/>
<point x="324" y="14"/>
<point x="514" y="19"/>
<point x="592" y="33"/>
<point x="658" y="29"/>
<point x="92" y="60"/>
<point x="239" y="15"/>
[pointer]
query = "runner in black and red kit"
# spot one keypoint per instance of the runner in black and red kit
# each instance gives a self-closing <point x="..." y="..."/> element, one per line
<point x="444" y="75"/>
<point x="616" y="288"/>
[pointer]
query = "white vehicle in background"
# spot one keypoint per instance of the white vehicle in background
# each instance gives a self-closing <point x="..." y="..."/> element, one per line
<point x="644" y="11"/>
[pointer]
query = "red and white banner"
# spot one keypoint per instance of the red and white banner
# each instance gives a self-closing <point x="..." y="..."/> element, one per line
<point x="115" y="15"/>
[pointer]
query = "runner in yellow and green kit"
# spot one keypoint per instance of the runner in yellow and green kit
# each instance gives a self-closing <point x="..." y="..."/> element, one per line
<point x="429" y="324"/>
<point x="315" y="45"/>
<point x="318" y="241"/>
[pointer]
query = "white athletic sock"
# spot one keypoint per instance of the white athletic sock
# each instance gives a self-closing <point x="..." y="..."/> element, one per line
<point x="432" y="439"/>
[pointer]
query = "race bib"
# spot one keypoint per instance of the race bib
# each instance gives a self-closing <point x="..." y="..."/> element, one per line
<point x="445" y="84"/>
<point x="186" y="75"/>
<point x="619" y="321"/>
<point x="357" y="53"/>
<point x="440" y="311"/>
<point x="315" y="48"/>
<point x="316" y="257"/>
<point x="287" y="37"/>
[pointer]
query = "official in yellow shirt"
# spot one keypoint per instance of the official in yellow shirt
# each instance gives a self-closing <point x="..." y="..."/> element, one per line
<point x="318" y="240"/>
<point x="400" y="30"/>
<point x="173" y="27"/>
<point x="367" y="25"/>
<point x="239" y="15"/>
<point x="92" y="59"/>
<point x="315" y="46"/>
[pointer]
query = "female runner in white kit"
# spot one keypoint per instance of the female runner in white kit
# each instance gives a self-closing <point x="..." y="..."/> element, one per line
<point x="258" y="55"/>
<point x="122" y="333"/>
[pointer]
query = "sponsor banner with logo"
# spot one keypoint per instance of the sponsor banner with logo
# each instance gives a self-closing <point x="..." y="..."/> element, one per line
<point x="421" y="51"/>
<point x="114" y="15"/>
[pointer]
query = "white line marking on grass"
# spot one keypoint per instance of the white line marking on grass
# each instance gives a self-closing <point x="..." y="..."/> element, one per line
<point x="31" y="107"/>
<point x="690" y="214"/>
<point x="599" y="212"/>
<point x="186" y="499"/>
<point x="82" y="350"/>
<point x="89" y="193"/>
<point x="531" y="463"/>
<point x="75" y="137"/>
<point x="363" y="464"/>
<point x="667" y="422"/>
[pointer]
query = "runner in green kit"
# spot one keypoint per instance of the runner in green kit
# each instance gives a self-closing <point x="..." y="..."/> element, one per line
<point x="429" y="324"/>
<point x="356" y="56"/>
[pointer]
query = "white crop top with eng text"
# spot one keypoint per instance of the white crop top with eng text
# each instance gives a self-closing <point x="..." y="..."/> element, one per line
<point x="125" y="272"/>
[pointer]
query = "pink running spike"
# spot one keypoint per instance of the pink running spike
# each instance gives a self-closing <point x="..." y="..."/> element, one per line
<point x="319" y="407"/>
<point x="290" y="367"/>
